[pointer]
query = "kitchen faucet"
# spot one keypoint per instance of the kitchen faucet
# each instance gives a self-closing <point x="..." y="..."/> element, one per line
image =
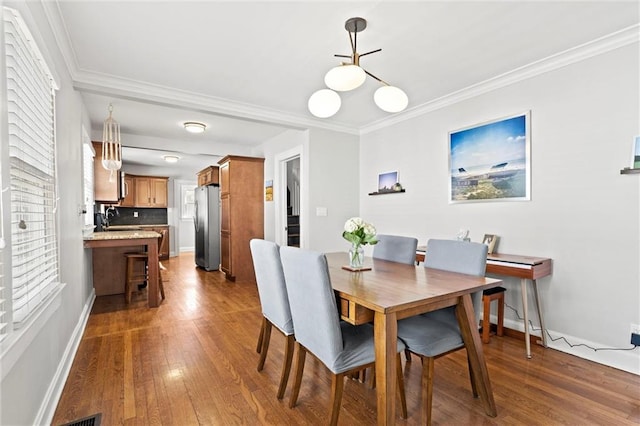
<point x="110" y="212"/>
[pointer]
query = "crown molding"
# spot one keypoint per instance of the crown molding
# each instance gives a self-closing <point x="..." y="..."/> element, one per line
<point x="148" y="93"/>
<point x="570" y="56"/>
<point x="52" y="12"/>
<point x="144" y="92"/>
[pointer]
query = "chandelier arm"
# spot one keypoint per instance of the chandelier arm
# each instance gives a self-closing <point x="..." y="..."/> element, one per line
<point x="342" y="56"/>
<point x="369" y="53"/>
<point x="376" y="78"/>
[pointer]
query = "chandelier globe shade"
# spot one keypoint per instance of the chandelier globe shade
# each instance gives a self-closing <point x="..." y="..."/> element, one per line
<point x="324" y="103"/>
<point x="345" y="77"/>
<point x="390" y="99"/>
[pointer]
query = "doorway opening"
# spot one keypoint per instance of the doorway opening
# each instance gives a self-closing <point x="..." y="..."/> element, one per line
<point x="288" y="195"/>
<point x="293" y="202"/>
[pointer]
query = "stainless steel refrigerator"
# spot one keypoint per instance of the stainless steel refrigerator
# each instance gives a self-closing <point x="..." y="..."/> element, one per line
<point x="207" y="224"/>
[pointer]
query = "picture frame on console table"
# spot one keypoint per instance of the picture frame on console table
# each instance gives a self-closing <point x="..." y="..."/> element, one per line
<point x="491" y="161"/>
<point x="635" y="164"/>
<point x="490" y="240"/>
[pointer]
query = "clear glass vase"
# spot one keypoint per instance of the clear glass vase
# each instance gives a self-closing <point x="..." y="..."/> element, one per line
<point x="356" y="256"/>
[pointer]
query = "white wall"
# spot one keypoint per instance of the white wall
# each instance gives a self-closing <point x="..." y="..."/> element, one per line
<point x="582" y="213"/>
<point x="269" y="150"/>
<point x="29" y="389"/>
<point x="333" y="184"/>
<point x="329" y="168"/>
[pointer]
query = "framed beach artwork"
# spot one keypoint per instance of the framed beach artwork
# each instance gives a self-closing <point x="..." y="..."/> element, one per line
<point x="491" y="161"/>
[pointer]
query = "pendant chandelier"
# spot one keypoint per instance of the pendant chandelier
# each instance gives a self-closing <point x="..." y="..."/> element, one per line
<point x="350" y="75"/>
<point x="111" y="147"/>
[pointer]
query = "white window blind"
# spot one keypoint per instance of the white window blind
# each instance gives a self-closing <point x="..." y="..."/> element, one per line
<point x="31" y="128"/>
<point x="3" y="291"/>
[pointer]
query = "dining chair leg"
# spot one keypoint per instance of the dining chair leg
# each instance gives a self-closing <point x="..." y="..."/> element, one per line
<point x="407" y="355"/>
<point x="486" y="323"/>
<point x="261" y="336"/>
<point x="265" y="344"/>
<point x="337" y="387"/>
<point x="427" y="389"/>
<point x="500" y="330"/>
<point x="299" y="368"/>
<point x="403" y="397"/>
<point x="286" y="365"/>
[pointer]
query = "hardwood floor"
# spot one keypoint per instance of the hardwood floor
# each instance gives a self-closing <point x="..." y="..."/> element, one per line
<point x="193" y="361"/>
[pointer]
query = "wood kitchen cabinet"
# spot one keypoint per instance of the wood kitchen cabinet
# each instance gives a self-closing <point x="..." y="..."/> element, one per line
<point x="208" y="176"/>
<point x="105" y="190"/>
<point x="129" y="192"/>
<point x="241" y="214"/>
<point x="150" y="191"/>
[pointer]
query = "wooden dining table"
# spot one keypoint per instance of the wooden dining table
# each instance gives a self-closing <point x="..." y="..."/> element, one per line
<point x="390" y="291"/>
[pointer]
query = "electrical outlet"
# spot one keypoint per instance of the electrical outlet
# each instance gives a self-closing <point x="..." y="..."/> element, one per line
<point x="135" y="214"/>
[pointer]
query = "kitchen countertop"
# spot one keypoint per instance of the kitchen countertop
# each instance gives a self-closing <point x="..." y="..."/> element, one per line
<point x="121" y="235"/>
<point x="130" y="227"/>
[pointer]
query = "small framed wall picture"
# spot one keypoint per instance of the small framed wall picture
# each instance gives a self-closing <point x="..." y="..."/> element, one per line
<point x="386" y="181"/>
<point x="268" y="190"/>
<point x="490" y="240"/>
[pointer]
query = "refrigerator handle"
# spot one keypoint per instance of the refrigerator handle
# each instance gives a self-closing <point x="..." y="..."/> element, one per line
<point x="195" y="218"/>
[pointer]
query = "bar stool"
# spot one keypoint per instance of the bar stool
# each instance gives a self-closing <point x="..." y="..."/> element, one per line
<point x="134" y="277"/>
<point x="496" y="293"/>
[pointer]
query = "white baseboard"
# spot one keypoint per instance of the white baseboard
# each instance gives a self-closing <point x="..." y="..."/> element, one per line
<point x="50" y="402"/>
<point x="621" y="359"/>
<point x="187" y="249"/>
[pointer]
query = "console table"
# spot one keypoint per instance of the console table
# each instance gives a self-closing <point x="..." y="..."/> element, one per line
<point x="527" y="268"/>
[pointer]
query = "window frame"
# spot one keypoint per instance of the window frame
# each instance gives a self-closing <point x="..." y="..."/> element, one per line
<point x="15" y="339"/>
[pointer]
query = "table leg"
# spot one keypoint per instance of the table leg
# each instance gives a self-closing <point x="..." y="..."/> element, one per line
<point x="154" y="270"/>
<point x="527" y="344"/>
<point x="386" y="335"/>
<point x="543" y="331"/>
<point x="471" y="337"/>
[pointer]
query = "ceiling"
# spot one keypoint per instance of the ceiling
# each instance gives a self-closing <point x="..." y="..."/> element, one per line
<point x="247" y="69"/>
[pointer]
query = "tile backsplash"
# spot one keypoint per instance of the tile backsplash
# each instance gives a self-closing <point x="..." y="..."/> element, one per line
<point x="146" y="216"/>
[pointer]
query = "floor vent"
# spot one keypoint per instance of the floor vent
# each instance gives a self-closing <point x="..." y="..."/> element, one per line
<point x="87" y="421"/>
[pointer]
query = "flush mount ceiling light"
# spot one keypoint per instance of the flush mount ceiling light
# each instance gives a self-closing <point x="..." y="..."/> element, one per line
<point x="171" y="158"/>
<point x="350" y="75"/>
<point x="194" y="127"/>
<point x="111" y="146"/>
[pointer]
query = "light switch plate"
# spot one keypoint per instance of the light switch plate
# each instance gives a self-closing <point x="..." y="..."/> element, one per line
<point x="321" y="211"/>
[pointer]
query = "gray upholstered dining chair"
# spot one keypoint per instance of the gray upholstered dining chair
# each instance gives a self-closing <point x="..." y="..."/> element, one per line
<point x="437" y="333"/>
<point x="343" y="348"/>
<point x="396" y="248"/>
<point x="274" y="303"/>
